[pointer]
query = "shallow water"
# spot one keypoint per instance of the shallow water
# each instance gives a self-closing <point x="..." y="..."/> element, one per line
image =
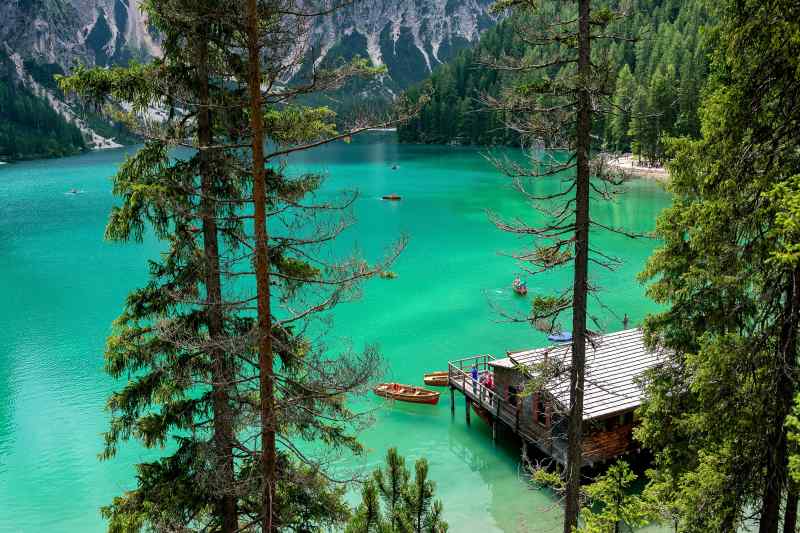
<point x="62" y="285"/>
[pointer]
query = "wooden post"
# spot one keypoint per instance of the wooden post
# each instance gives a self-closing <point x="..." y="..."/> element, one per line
<point x="494" y="429"/>
<point x="466" y="411"/>
<point x="452" y="400"/>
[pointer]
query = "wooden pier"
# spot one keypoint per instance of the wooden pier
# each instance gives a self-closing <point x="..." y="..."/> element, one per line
<point x="499" y="408"/>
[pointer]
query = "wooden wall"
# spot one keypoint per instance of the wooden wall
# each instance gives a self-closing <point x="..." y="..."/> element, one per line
<point x="604" y="445"/>
<point x="603" y="439"/>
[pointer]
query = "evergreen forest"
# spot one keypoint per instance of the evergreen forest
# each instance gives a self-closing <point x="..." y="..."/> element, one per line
<point x="29" y="127"/>
<point x="658" y="73"/>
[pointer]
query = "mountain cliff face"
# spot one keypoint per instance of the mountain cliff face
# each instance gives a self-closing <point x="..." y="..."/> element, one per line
<point x="40" y="38"/>
<point x="63" y="32"/>
<point x="409" y="37"/>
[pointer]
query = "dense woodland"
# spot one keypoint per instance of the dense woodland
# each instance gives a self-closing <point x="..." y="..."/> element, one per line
<point x="233" y="388"/>
<point x="659" y="78"/>
<point x="29" y="127"/>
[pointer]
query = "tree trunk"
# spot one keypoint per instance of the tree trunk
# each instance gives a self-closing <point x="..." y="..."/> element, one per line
<point x="264" y="330"/>
<point x="580" y="284"/>
<point x="221" y="367"/>
<point x="776" y="470"/>
<point x="790" y="517"/>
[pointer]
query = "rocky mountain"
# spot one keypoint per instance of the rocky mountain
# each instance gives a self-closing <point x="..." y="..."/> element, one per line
<point x="63" y="32"/>
<point x="410" y="37"/>
<point x="40" y="38"/>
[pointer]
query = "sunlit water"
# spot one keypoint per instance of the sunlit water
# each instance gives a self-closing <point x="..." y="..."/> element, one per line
<point x="61" y="286"/>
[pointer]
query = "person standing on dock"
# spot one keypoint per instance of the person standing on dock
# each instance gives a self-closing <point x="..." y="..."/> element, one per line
<point x="474" y="374"/>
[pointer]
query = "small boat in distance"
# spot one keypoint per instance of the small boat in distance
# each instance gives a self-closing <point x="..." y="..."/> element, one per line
<point x="436" y="379"/>
<point x="73" y="191"/>
<point x="564" y="336"/>
<point x="406" y="393"/>
<point x="519" y="286"/>
<point x="394" y="197"/>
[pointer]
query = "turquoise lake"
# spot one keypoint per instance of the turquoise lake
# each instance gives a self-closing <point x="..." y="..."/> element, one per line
<point x="61" y="286"/>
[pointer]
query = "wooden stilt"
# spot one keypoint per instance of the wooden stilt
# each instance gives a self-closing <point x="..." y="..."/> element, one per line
<point x="452" y="400"/>
<point x="466" y="411"/>
<point x="494" y="429"/>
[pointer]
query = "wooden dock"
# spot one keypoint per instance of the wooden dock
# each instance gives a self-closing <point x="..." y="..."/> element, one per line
<point x="499" y="408"/>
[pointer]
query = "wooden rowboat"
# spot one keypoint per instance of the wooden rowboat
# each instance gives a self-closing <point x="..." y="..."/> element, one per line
<point x="406" y="393"/>
<point x="436" y="379"/>
<point x="394" y="197"/>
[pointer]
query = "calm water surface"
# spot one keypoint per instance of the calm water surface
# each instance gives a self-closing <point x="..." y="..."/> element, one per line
<point x="61" y="286"/>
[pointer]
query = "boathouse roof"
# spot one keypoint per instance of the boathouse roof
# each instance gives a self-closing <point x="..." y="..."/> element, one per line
<point x="612" y="365"/>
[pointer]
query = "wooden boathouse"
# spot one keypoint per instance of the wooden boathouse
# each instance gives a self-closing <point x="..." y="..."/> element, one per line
<point x="612" y="393"/>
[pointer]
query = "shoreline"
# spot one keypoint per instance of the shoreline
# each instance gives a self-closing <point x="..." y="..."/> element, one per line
<point x="625" y="163"/>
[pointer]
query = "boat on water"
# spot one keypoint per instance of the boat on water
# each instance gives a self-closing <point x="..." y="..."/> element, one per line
<point x="394" y="197"/>
<point x="406" y="393"/>
<point x="520" y="287"/>
<point x="436" y="379"/>
<point x="564" y="336"/>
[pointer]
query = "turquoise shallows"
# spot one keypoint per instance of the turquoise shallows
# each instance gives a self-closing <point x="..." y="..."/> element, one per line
<point x="61" y="286"/>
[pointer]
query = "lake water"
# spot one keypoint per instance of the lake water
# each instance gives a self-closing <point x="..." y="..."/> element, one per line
<point x="61" y="286"/>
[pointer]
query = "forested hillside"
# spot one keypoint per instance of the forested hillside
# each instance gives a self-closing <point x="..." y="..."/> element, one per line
<point x="658" y="79"/>
<point x="29" y="127"/>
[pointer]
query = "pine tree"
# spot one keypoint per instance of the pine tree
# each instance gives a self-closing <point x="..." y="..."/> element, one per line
<point x="193" y="341"/>
<point x="289" y="270"/>
<point x="611" y="492"/>
<point x="408" y="505"/>
<point x="618" y="138"/>
<point x="728" y="273"/>
<point x="558" y="93"/>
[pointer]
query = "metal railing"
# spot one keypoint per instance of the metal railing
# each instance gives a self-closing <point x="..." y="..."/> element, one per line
<point x="459" y="374"/>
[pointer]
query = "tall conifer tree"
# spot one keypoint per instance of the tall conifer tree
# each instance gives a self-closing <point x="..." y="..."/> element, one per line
<point x="558" y="92"/>
<point x="729" y="273"/>
<point x="238" y="386"/>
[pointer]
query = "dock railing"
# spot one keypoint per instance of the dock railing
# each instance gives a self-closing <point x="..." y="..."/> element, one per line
<point x="459" y="375"/>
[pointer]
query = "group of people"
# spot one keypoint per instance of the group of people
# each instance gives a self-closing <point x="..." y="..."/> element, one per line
<point x="486" y="378"/>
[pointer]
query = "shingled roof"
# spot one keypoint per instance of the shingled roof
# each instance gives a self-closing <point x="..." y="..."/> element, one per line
<point x="611" y="369"/>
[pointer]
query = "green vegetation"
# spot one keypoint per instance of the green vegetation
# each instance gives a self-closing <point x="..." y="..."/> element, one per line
<point x="609" y="500"/>
<point x="554" y="93"/>
<point x="657" y="81"/>
<point x="391" y="502"/>
<point x="29" y="128"/>
<point x="219" y="369"/>
<point x="718" y="412"/>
